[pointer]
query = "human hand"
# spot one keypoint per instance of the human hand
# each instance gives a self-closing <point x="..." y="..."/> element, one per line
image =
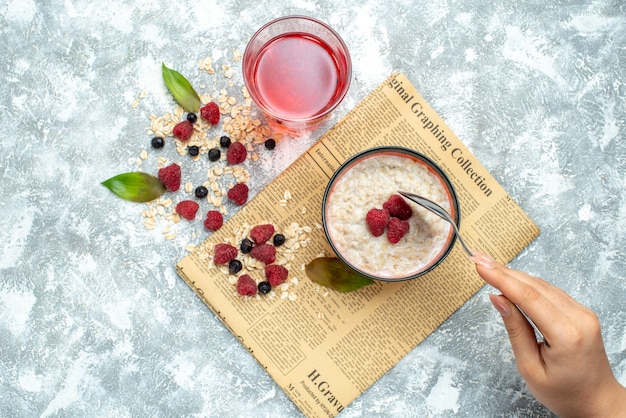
<point x="572" y="375"/>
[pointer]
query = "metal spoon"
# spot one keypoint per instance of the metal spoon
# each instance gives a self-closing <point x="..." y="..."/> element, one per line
<point x="443" y="214"/>
<point x="439" y="211"/>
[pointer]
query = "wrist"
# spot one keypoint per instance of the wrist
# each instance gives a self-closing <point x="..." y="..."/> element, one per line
<point x="614" y="405"/>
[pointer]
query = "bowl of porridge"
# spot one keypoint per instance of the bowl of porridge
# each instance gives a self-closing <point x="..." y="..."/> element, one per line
<point x="377" y="232"/>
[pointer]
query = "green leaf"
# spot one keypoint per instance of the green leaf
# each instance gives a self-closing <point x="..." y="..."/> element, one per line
<point x="334" y="273"/>
<point x="181" y="89"/>
<point x="135" y="186"/>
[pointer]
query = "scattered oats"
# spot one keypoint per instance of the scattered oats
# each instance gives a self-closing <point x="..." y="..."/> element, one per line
<point x="284" y="295"/>
<point x="139" y="161"/>
<point x="292" y="296"/>
<point x="190" y="248"/>
<point x="295" y="280"/>
<point x="188" y="187"/>
<point x="170" y="236"/>
<point x="144" y="154"/>
<point x="237" y="55"/>
<point x="206" y="64"/>
<point x="166" y="229"/>
<point x="307" y="229"/>
<point x="149" y="223"/>
<point x="284" y="286"/>
<point x="135" y="103"/>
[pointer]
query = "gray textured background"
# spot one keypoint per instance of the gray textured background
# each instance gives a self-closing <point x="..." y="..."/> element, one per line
<point x="94" y="320"/>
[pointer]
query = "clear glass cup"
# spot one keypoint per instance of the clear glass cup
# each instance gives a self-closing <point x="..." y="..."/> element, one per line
<point x="297" y="70"/>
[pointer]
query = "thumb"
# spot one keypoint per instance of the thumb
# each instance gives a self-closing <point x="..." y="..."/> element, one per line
<point x="521" y="334"/>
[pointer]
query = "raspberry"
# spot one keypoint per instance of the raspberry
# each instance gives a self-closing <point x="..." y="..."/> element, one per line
<point x="276" y="274"/>
<point x="211" y="113"/>
<point x="187" y="209"/>
<point x="214" y="220"/>
<point x="236" y="153"/>
<point x="246" y="286"/>
<point x="170" y="177"/>
<point x="265" y="253"/>
<point x="398" y="207"/>
<point x="183" y="130"/>
<point x="396" y="229"/>
<point x="238" y="193"/>
<point x="224" y="253"/>
<point x="377" y="220"/>
<point x="261" y="233"/>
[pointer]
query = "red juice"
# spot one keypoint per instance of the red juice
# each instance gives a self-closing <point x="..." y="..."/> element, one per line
<point x="297" y="76"/>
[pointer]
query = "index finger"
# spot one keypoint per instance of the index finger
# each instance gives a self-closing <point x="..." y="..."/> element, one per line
<point x="544" y="304"/>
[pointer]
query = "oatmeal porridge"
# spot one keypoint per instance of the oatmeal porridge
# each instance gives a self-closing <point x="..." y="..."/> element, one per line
<point x="367" y="183"/>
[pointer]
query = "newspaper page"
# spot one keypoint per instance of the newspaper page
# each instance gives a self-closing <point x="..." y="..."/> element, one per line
<point x="322" y="347"/>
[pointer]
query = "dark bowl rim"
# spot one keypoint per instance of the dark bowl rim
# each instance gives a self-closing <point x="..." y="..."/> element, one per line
<point x="413" y="153"/>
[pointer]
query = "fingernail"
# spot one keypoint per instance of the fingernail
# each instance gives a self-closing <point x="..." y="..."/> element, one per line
<point x="482" y="259"/>
<point x="501" y="305"/>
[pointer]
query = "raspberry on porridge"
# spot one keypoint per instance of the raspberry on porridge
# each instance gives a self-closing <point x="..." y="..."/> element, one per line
<point x="367" y="181"/>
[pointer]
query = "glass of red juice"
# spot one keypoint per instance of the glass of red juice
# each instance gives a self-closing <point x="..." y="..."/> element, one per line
<point x="297" y="70"/>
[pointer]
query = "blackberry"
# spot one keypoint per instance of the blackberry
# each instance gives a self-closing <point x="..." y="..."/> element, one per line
<point x="270" y="144"/>
<point x="193" y="150"/>
<point x="264" y="287"/>
<point x="214" y="154"/>
<point x="224" y="142"/>
<point x="157" y="142"/>
<point x="246" y="246"/>
<point x="279" y="239"/>
<point x="201" y="192"/>
<point x="192" y="117"/>
<point x="234" y="266"/>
